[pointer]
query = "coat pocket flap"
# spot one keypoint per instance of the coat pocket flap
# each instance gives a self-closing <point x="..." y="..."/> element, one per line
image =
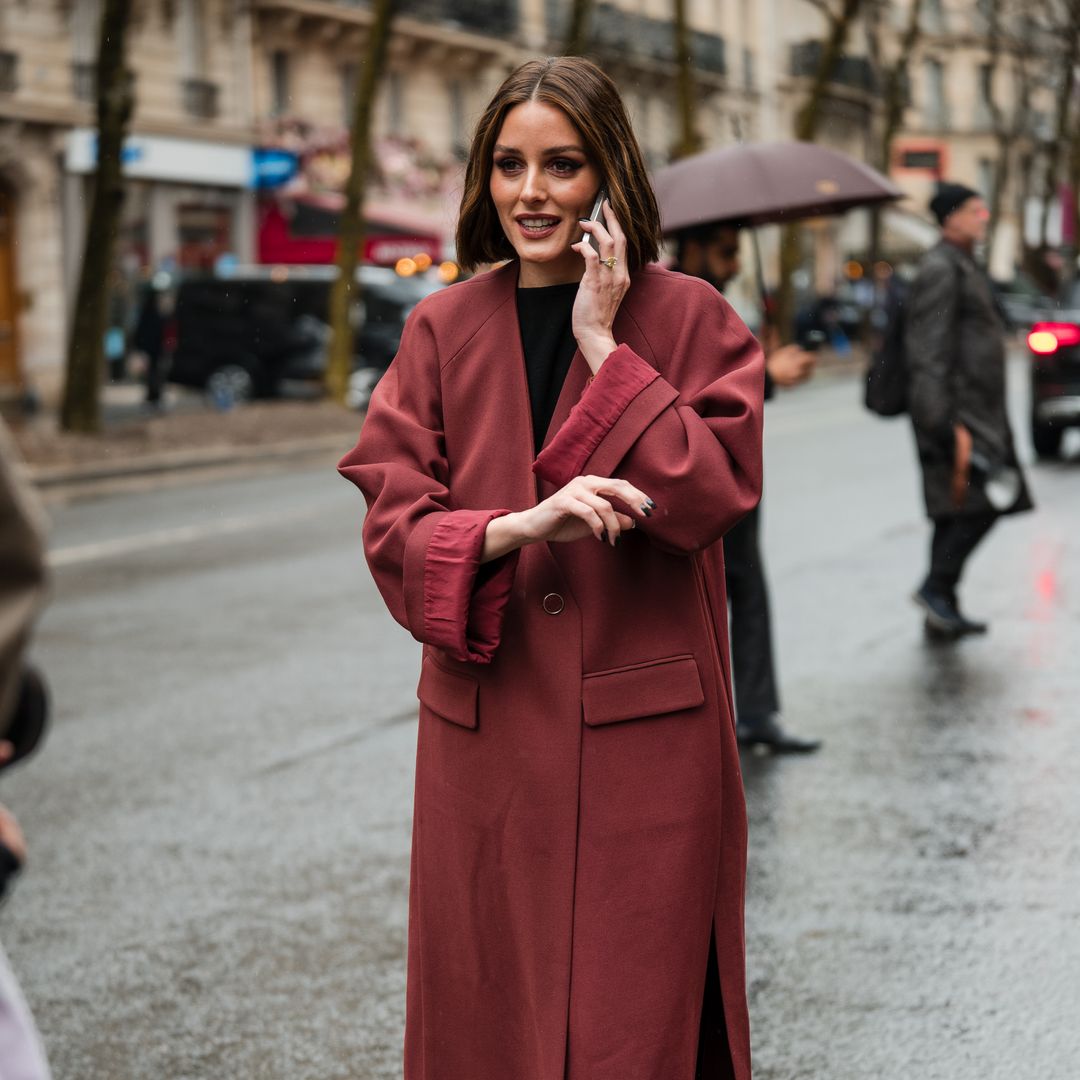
<point x="448" y="694"/>
<point x="650" y="689"/>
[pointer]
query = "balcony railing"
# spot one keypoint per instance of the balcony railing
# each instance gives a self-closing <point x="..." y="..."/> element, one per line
<point x="9" y="72"/>
<point x="853" y="71"/>
<point x="84" y="81"/>
<point x="200" y="98"/>
<point x="616" y="33"/>
<point x="494" y="18"/>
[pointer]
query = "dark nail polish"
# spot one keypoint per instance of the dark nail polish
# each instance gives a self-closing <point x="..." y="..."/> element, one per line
<point x="652" y="505"/>
<point x="603" y="536"/>
<point x="617" y="539"/>
<point x="645" y="510"/>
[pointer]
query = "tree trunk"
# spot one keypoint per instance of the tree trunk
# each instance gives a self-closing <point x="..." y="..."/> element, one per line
<point x="345" y="294"/>
<point x="1063" y="108"/>
<point x="577" y="37"/>
<point x="81" y="406"/>
<point x="807" y="123"/>
<point x="895" y="102"/>
<point x="690" y="140"/>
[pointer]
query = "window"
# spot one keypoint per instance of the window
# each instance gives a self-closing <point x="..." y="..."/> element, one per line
<point x="395" y="99"/>
<point x="459" y="139"/>
<point x="348" y="93"/>
<point x="191" y="30"/>
<point x="985" y="184"/>
<point x="85" y="26"/>
<point x="748" y="69"/>
<point x="927" y="160"/>
<point x="280" y="98"/>
<point x="984" y="96"/>
<point x="933" y="16"/>
<point x="936" y="112"/>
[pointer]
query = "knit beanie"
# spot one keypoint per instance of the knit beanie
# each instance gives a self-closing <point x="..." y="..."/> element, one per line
<point x="950" y="197"/>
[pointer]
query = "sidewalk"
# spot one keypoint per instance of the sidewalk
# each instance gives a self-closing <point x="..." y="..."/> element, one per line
<point x="189" y="436"/>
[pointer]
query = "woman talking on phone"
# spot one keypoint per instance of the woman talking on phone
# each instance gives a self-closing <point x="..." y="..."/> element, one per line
<point x="549" y="465"/>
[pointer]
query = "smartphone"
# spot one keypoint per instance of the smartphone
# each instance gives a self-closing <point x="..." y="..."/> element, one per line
<point x="601" y="195"/>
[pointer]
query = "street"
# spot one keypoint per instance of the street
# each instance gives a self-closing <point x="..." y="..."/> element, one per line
<point x="219" y="821"/>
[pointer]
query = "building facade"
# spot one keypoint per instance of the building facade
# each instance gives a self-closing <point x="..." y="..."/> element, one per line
<point x="239" y="141"/>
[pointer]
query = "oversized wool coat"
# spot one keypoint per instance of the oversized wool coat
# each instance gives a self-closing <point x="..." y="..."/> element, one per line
<point x="579" y="837"/>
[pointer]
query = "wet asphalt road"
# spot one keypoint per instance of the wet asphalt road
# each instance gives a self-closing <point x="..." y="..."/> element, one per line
<point x="219" y="823"/>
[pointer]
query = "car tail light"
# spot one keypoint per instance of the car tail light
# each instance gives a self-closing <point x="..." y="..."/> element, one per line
<point x="1047" y="337"/>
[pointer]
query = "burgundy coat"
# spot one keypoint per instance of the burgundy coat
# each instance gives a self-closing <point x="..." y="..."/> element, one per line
<point x="579" y="831"/>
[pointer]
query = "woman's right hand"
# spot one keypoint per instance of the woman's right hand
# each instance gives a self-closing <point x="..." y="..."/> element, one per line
<point x="582" y="508"/>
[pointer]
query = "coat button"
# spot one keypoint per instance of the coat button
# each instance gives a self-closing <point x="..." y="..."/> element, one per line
<point x="553" y="603"/>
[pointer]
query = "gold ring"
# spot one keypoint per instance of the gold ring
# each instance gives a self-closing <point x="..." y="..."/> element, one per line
<point x="610" y="262"/>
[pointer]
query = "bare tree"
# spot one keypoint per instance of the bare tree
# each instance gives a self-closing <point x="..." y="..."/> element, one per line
<point x="346" y="290"/>
<point x="895" y="82"/>
<point x="577" y="37"/>
<point x="807" y="122"/>
<point x="1069" y="29"/>
<point x="690" y="140"/>
<point x="81" y="406"/>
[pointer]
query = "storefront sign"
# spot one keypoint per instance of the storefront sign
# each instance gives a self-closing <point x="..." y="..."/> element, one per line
<point x="159" y="157"/>
<point x="273" y="167"/>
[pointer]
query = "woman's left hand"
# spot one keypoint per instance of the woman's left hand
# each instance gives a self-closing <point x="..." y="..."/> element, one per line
<point x="602" y="287"/>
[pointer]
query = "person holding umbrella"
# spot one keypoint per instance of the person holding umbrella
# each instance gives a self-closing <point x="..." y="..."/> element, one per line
<point x="711" y="252"/>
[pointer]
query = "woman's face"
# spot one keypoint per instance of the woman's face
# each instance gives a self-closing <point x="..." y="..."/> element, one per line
<point x="542" y="181"/>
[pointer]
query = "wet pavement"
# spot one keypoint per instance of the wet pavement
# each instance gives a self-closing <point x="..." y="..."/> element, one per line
<point x="219" y="823"/>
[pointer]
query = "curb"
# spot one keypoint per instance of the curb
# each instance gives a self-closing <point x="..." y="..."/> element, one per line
<point x="54" y="476"/>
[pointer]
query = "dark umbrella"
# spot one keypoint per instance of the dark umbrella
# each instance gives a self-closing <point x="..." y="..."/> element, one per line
<point x="766" y="183"/>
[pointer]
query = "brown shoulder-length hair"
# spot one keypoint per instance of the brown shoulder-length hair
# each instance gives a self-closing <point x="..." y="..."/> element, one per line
<point x="592" y="103"/>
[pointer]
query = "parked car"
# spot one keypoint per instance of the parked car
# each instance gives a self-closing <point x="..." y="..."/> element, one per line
<point x="247" y="334"/>
<point x="1022" y="302"/>
<point x="1055" y="380"/>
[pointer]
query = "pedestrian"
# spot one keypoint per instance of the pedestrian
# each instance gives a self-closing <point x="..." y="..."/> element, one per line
<point x="955" y="345"/>
<point x="549" y="465"/>
<point x="22" y="584"/>
<point x="151" y="340"/>
<point x="711" y="252"/>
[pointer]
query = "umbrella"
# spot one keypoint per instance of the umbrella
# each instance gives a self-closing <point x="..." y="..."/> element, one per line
<point x="766" y="183"/>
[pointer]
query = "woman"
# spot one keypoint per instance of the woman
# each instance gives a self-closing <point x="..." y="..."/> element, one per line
<point x="548" y="465"/>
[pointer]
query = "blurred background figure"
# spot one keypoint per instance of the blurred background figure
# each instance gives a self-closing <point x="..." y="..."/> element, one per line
<point x="955" y="340"/>
<point x="152" y="337"/>
<point x="22" y="719"/>
<point x="711" y="252"/>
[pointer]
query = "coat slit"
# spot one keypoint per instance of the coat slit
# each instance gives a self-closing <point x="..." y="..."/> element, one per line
<point x="714" y="1053"/>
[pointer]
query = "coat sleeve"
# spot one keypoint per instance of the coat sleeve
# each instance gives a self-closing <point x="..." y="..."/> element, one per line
<point x="690" y="439"/>
<point x="423" y="550"/>
<point x="929" y="343"/>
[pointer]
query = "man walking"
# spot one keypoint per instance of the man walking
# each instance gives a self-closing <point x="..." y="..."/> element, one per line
<point x="955" y="345"/>
<point x="711" y="252"/>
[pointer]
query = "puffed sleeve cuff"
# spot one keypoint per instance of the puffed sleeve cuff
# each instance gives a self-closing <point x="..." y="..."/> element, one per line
<point x="454" y="601"/>
<point x="624" y="398"/>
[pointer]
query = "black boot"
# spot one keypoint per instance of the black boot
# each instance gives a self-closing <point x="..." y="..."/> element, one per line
<point x="942" y="618"/>
<point x="767" y="732"/>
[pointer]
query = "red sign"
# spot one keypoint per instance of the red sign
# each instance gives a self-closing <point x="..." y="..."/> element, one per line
<point x="278" y="242"/>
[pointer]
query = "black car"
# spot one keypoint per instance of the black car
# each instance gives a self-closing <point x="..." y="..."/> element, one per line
<point x="247" y="334"/>
<point x="1055" y="380"/>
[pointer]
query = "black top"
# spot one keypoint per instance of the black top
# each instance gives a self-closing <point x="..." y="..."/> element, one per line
<point x="547" y="339"/>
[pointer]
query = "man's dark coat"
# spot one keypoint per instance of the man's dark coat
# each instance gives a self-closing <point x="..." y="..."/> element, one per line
<point x="955" y="341"/>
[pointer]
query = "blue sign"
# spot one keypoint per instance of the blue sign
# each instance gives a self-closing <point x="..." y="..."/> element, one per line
<point x="271" y="167"/>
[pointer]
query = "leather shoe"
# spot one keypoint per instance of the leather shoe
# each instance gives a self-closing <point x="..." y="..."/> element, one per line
<point x="767" y="732"/>
<point x="942" y="618"/>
